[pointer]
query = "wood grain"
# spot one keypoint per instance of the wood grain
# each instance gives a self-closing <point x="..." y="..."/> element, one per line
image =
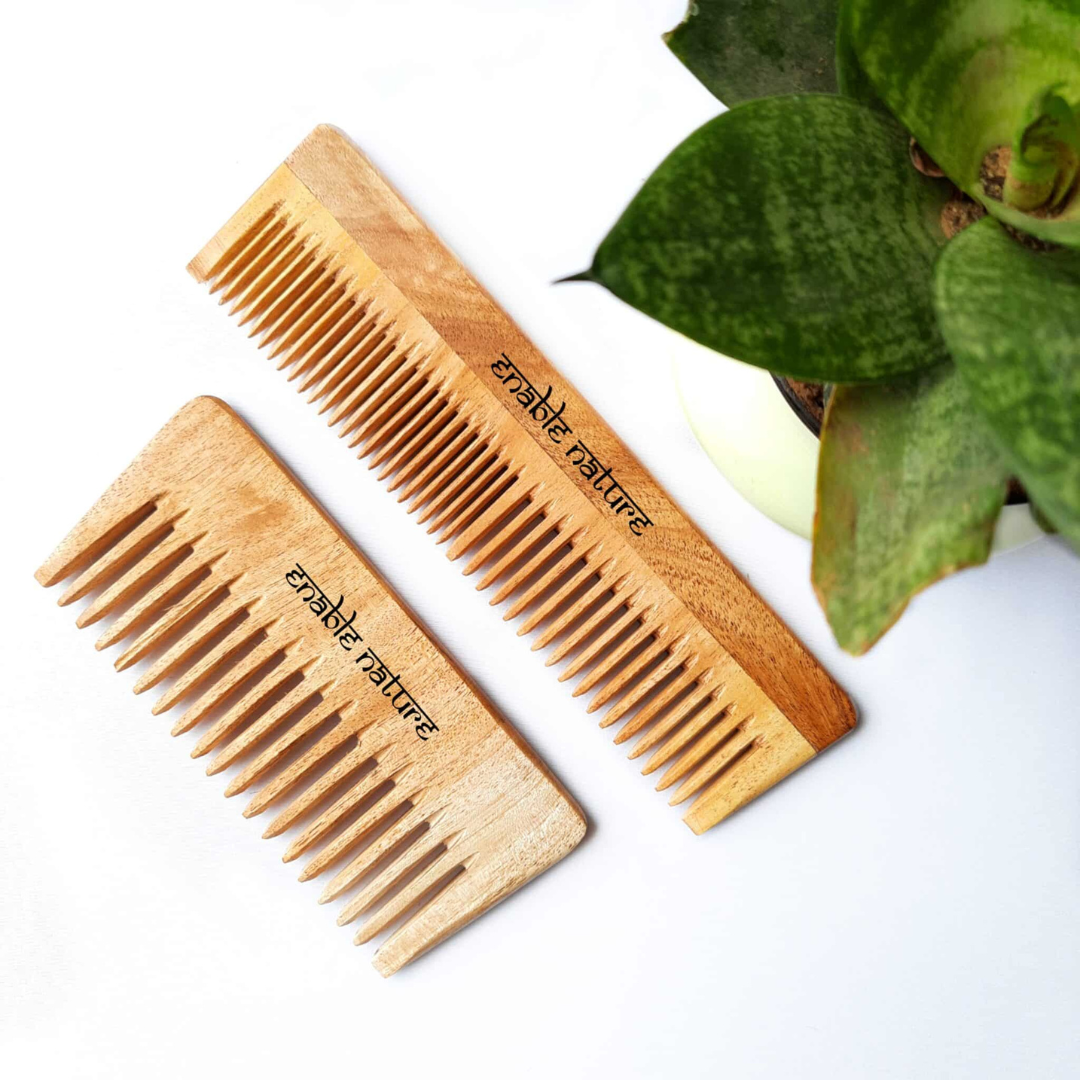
<point x="420" y="802"/>
<point x="386" y="331"/>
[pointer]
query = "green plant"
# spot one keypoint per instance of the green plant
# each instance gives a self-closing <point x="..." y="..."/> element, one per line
<point x="807" y="233"/>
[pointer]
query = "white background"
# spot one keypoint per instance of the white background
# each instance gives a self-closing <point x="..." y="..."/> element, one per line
<point x="906" y="906"/>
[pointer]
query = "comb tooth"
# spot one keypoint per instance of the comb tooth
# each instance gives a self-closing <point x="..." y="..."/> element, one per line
<point x="592" y="622"/>
<point x="430" y="922"/>
<point x="388" y="457"/>
<point x="219" y="689"/>
<point x="387" y="410"/>
<point x="192" y="640"/>
<point x="348" y="365"/>
<point x="280" y="316"/>
<point x="510" y="544"/>
<point x="174" y="549"/>
<point x="501" y="537"/>
<point x="294" y="264"/>
<point x="596" y="647"/>
<point x="317" y="714"/>
<point x="411" y="820"/>
<point x="299" y="348"/>
<point x="384" y="384"/>
<point x="418" y="472"/>
<point x="371" y="348"/>
<point x="156" y="601"/>
<point x="645" y="633"/>
<point x="441" y="471"/>
<point x="263" y="690"/>
<point x="132" y="547"/>
<point x="198" y="601"/>
<point x="730" y="754"/>
<point x="627" y="675"/>
<point x="664" y="730"/>
<point x="75" y="553"/>
<point x="473" y="500"/>
<point x="380" y="360"/>
<point x="721" y="775"/>
<point x="716" y="731"/>
<point x="579" y="607"/>
<point x="425" y="860"/>
<point x="394" y="414"/>
<point x="552" y="574"/>
<point x="291" y="332"/>
<point x="418" y="893"/>
<point x="257" y="267"/>
<point x="645" y="715"/>
<point x="698" y="714"/>
<point x="240" y="254"/>
<point x="245" y="238"/>
<point x="411" y="462"/>
<point x="344" y="329"/>
<point x="507" y="504"/>
<point x="187" y="680"/>
<point x="319" y="339"/>
<point x="254" y="298"/>
<point x="334" y="363"/>
<point x="363" y="392"/>
<point x="551" y="604"/>
<point x="401" y="427"/>
<point x="543" y="545"/>
<point x="480" y="471"/>
<point x="640" y="688"/>
<point x="330" y="817"/>
<point x="355" y="760"/>
<point x="308" y="289"/>
<point x="370" y="832"/>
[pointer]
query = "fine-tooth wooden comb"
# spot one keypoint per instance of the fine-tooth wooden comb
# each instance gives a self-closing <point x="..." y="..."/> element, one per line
<point x="314" y="680"/>
<point x="418" y="367"/>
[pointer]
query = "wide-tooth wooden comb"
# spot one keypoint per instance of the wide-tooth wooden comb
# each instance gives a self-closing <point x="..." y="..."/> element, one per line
<point x="310" y="676"/>
<point x="417" y="366"/>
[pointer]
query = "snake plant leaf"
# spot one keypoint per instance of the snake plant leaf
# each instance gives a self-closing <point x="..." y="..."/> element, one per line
<point x="961" y="76"/>
<point x="851" y="80"/>
<point x="745" y="49"/>
<point x="1011" y="317"/>
<point x="791" y="233"/>
<point x="910" y="485"/>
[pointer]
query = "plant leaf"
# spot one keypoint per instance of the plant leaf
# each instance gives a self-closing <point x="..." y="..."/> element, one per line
<point x="910" y="486"/>
<point x="851" y="80"/>
<point x="1011" y="317"/>
<point x="791" y="233"/>
<point x="961" y="74"/>
<point x="742" y="50"/>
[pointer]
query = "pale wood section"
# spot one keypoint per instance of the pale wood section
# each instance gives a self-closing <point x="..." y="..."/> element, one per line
<point x="452" y="824"/>
<point x="388" y="334"/>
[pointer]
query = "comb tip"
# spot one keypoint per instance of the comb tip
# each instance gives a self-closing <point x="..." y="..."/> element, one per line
<point x="363" y="936"/>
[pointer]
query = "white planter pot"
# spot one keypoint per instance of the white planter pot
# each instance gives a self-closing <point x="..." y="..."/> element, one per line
<point x="755" y="439"/>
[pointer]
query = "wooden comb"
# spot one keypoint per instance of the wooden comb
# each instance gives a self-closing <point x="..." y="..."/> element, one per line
<point x="314" y="678"/>
<point x="418" y="367"/>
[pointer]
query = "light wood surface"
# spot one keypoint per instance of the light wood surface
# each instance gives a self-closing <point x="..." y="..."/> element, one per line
<point x="396" y="776"/>
<point x="388" y="334"/>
